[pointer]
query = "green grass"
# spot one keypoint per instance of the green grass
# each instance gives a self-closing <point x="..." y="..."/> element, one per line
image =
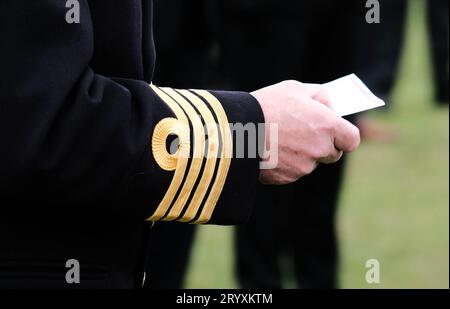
<point x="395" y="202"/>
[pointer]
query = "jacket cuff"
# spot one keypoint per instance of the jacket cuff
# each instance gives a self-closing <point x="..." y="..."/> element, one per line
<point x="214" y="166"/>
<point x="236" y="202"/>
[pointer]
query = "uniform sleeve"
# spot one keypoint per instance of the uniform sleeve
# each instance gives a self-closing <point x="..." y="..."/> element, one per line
<point x="77" y="141"/>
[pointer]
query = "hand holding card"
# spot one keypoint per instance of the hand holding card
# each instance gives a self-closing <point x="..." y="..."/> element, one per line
<point x="349" y="95"/>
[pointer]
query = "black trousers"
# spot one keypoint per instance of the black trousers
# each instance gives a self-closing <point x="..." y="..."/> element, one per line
<point x="178" y="25"/>
<point x="246" y="45"/>
<point x="311" y="41"/>
<point x="168" y="255"/>
<point x="300" y="232"/>
<point x="271" y="46"/>
<point x="439" y="37"/>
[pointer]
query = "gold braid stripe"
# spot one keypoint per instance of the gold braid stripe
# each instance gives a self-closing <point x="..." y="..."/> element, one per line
<point x="225" y="161"/>
<point x="196" y="164"/>
<point x="163" y="129"/>
<point x="180" y="102"/>
<point x="211" y="156"/>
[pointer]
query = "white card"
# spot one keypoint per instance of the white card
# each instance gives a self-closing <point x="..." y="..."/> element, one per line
<point x="349" y="95"/>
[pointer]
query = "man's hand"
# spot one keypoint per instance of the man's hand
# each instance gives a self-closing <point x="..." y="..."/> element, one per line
<point x="309" y="132"/>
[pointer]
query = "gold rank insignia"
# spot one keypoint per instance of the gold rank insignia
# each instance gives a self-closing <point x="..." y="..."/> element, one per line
<point x="200" y="182"/>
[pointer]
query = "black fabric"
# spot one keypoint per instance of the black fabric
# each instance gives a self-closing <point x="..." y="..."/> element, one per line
<point x="262" y="47"/>
<point x="182" y="25"/>
<point x="376" y="48"/>
<point x="77" y="177"/>
<point x="310" y="41"/>
<point x="439" y="37"/>
<point x="187" y="26"/>
<point x="178" y="25"/>
<point x="291" y="234"/>
<point x="169" y="253"/>
<point x="320" y="40"/>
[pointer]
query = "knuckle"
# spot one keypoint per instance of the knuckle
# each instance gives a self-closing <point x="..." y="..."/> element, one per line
<point x="306" y="169"/>
<point x="328" y="122"/>
<point x="355" y="139"/>
<point x="320" y="152"/>
<point x="283" y="180"/>
<point x="311" y="168"/>
<point x="321" y="124"/>
<point x="287" y="180"/>
<point x="276" y="178"/>
<point x="334" y="157"/>
<point x="328" y="127"/>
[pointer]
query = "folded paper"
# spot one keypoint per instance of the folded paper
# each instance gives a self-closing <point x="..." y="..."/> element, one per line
<point x="349" y="95"/>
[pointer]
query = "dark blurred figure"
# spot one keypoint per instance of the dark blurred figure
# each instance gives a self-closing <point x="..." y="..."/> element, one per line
<point x="438" y="22"/>
<point x="259" y="42"/>
<point x="376" y="51"/>
<point x="181" y="24"/>
<point x="376" y="48"/>
<point x="263" y="42"/>
<point x="267" y="42"/>
<point x="178" y="24"/>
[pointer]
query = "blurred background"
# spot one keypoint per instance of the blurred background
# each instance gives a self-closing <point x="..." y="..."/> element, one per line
<point x="393" y="203"/>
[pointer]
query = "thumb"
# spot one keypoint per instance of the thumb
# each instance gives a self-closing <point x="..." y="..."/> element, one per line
<point x="318" y="93"/>
<point x="346" y="137"/>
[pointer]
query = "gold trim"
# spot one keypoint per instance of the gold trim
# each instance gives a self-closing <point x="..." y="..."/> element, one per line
<point x="196" y="163"/>
<point x="182" y="103"/>
<point x="225" y="160"/>
<point x="211" y="156"/>
<point x="158" y="148"/>
<point x="163" y="129"/>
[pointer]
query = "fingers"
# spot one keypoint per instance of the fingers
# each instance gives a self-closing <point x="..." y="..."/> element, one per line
<point x="346" y="136"/>
<point x="334" y="156"/>
<point x="318" y="93"/>
<point x="321" y="95"/>
<point x="304" y="112"/>
<point x="311" y="90"/>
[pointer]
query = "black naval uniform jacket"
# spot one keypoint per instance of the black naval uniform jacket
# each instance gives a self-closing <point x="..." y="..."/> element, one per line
<point x="84" y="165"/>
